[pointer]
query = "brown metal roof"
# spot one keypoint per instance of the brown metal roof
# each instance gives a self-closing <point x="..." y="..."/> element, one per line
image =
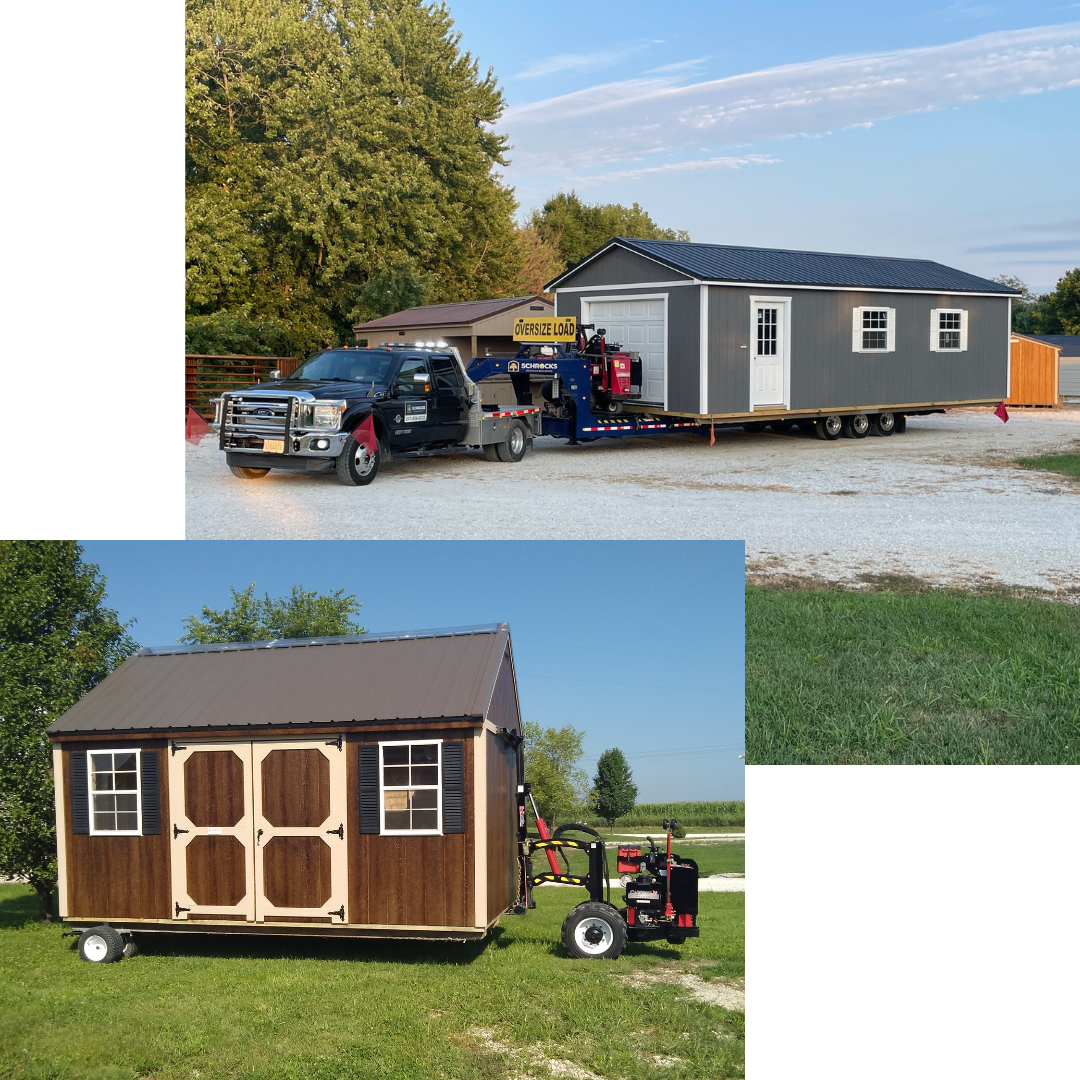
<point x="428" y="675"/>
<point x="448" y="314"/>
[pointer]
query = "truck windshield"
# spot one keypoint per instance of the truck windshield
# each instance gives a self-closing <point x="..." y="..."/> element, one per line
<point x="348" y="365"/>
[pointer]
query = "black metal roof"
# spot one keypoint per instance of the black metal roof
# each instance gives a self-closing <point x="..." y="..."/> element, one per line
<point x="776" y="266"/>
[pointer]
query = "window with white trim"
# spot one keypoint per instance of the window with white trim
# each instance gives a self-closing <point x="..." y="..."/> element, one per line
<point x="409" y="785"/>
<point x="948" y="330"/>
<point x="873" y="329"/>
<point x="115" y="792"/>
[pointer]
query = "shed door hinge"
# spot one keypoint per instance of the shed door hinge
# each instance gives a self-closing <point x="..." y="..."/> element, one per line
<point x="339" y="831"/>
<point x="179" y="909"/>
<point x="340" y="913"/>
<point x="176" y="831"/>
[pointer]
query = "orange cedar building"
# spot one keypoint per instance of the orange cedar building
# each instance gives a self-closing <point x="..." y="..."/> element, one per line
<point x="1033" y="371"/>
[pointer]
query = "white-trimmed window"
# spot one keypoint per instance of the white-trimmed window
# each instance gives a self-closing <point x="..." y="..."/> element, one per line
<point x="409" y="785"/>
<point x="948" y="330"/>
<point x="873" y="329"/>
<point x="115" y="792"/>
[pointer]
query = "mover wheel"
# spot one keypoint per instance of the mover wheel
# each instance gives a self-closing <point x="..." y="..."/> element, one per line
<point x="857" y="426"/>
<point x="247" y="474"/>
<point x="131" y="948"/>
<point x="676" y="939"/>
<point x="594" y="931"/>
<point x="516" y="444"/>
<point x="355" y="466"/>
<point x="829" y="427"/>
<point x="101" y="945"/>
<point x="884" y="423"/>
<point x="781" y="426"/>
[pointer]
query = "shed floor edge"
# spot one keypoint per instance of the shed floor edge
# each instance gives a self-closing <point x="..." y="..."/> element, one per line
<point x="170" y="926"/>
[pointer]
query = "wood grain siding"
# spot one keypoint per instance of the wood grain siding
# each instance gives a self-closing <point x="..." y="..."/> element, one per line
<point x="214" y="788"/>
<point x="619" y="266"/>
<point x="410" y="880"/>
<point x="119" y="877"/>
<point x="503" y="710"/>
<point x="216" y="871"/>
<point x="296" y="789"/>
<point x="296" y="871"/>
<point x="1034" y="373"/>
<point x="501" y="825"/>
<point x="827" y="374"/>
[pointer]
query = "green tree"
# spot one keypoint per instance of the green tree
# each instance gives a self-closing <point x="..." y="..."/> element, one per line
<point x="302" y="614"/>
<point x="577" y="228"/>
<point x="1064" y="304"/>
<point x="1050" y="313"/>
<point x="57" y="641"/>
<point x="341" y="160"/>
<point x="551" y="768"/>
<point x="614" y="791"/>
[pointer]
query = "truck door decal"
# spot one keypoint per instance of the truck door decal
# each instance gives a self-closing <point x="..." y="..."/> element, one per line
<point x="415" y="412"/>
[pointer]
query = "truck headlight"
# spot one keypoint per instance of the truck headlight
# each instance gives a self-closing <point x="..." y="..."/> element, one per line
<point x="321" y="415"/>
<point x="218" y="403"/>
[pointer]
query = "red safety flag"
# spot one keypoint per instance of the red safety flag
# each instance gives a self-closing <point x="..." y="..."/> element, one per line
<point x="1002" y="413"/>
<point x="712" y="435"/>
<point x="195" y="427"/>
<point x="365" y="435"/>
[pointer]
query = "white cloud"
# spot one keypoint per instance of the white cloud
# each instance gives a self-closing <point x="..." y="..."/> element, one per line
<point x="622" y="121"/>
<point x="680" y="166"/>
<point x="576" y="61"/>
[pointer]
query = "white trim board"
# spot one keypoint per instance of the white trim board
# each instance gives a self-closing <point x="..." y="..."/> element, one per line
<point x="644" y="296"/>
<point x="785" y="303"/>
<point x="610" y="245"/>
<point x="703" y="351"/>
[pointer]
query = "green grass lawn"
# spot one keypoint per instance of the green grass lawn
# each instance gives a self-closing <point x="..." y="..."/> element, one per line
<point x="1066" y="464"/>
<point x="905" y="677"/>
<point x="201" y="1007"/>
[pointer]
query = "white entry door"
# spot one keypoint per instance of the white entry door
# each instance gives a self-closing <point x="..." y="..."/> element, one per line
<point x="639" y="326"/>
<point x="768" y="352"/>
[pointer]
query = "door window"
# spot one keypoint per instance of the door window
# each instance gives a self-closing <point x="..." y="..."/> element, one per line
<point x="413" y="377"/>
<point x="447" y="373"/>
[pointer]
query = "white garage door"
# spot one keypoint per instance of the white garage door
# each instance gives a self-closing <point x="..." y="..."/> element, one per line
<point x="637" y="325"/>
<point x="1069" y="378"/>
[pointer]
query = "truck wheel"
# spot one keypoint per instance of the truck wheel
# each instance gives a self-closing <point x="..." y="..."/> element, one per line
<point x="247" y="474"/>
<point x="594" y="931"/>
<point x="884" y="423"/>
<point x="516" y="444"/>
<point x="829" y="427"/>
<point x="491" y="452"/>
<point x="857" y="426"/>
<point x="101" y="945"/>
<point x="355" y="466"/>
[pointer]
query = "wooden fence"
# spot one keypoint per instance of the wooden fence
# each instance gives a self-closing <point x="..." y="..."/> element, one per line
<point x="207" y="376"/>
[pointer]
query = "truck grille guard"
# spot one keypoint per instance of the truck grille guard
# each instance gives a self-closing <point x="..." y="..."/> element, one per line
<point x="249" y="418"/>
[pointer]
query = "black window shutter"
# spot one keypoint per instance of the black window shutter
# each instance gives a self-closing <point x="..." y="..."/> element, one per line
<point x="453" y="787"/>
<point x="151" y="817"/>
<point x="369" y="789"/>
<point x="80" y="794"/>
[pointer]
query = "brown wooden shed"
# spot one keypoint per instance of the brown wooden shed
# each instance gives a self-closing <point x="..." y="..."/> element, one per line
<point x="364" y="786"/>
<point x="1033" y="371"/>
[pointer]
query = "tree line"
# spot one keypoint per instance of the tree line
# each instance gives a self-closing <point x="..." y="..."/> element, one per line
<point x="342" y="162"/>
<point x="1056" y="312"/>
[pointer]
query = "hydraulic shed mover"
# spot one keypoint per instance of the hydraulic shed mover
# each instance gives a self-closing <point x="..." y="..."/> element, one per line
<point x="361" y="786"/>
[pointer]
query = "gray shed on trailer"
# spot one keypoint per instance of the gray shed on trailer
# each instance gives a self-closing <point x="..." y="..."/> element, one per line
<point x="727" y="332"/>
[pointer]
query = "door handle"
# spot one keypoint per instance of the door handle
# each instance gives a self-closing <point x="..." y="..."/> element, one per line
<point x="339" y="831"/>
<point x="176" y="831"/>
<point x="258" y="837"/>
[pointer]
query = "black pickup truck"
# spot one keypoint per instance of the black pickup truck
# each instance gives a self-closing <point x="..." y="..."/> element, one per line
<point x="418" y="399"/>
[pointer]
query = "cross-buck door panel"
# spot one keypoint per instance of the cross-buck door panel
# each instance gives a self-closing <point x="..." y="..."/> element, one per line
<point x="768" y="352"/>
<point x="210" y="802"/>
<point x="301" y="863"/>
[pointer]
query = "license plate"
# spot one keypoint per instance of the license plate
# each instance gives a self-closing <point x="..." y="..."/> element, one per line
<point x="273" y="446"/>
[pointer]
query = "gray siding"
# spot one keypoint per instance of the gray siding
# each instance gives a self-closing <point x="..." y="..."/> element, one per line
<point x="827" y="374"/>
<point x="683" y="335"/>
<point x="618" y="267"/>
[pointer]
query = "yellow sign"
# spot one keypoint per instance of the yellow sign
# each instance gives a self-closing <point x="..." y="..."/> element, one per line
<point x="546" y="329"/>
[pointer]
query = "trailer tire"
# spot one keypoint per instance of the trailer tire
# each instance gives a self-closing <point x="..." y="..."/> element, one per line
<point x="516" y="444"/>
<point x="901" y="423"/>
<point x="755" y="426"/>
<point x="594" y="931"/>
<point x="781" y="427"/>
<point x="101" y="945"/>
<point x="131" y="948"/>
<point x="829" y="427"/>
<point x="355" y="467"/>
<point x="247" y="474"/>
<point x="884" y="423"/>
<point x="857" y="426"/>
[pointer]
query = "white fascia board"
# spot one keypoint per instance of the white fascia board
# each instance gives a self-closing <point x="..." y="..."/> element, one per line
<point x="777" y="285"/>
<point x="603" y="251"/>
<point x="629" y="285"/>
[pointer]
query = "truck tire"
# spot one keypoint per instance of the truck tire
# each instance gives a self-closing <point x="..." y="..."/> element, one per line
<point x="247" y="474"/>
<point x="857" y="426"/>
<point x="884" y="423"/>
<point x="101" y="945"/>
<point x="594" y="931"/>
<point x="355" y="466"/>
<point x="516" y="444"/>
<point x="828" y="427"/>
<point x="491" y="452"/>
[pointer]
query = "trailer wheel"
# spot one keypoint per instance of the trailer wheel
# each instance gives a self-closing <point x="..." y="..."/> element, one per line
<point x="781" y="427"/>
<point x="355" y="466"/>
<point x="755" y="426"/>
<point x="101" y="945"/>
<point x="516" y="444"/>
<point x="884" y="423"/>
<point x="829" y="427"/>
<point x="131" y="948"/>
<point x="857" y="426"/>
<point x="247" y="474"/>
<point x="901" y="423"/>
<point x="594" y="931"/>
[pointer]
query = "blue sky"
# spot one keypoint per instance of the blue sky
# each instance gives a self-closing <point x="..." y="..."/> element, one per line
<point x="927" y="130"/>
<point x="659" y="675"/>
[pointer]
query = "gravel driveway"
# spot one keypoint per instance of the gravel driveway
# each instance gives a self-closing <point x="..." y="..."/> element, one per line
<point x="941" y="501"/>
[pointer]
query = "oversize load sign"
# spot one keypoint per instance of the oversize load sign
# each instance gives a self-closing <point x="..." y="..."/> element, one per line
<point x="546" y="329"/>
